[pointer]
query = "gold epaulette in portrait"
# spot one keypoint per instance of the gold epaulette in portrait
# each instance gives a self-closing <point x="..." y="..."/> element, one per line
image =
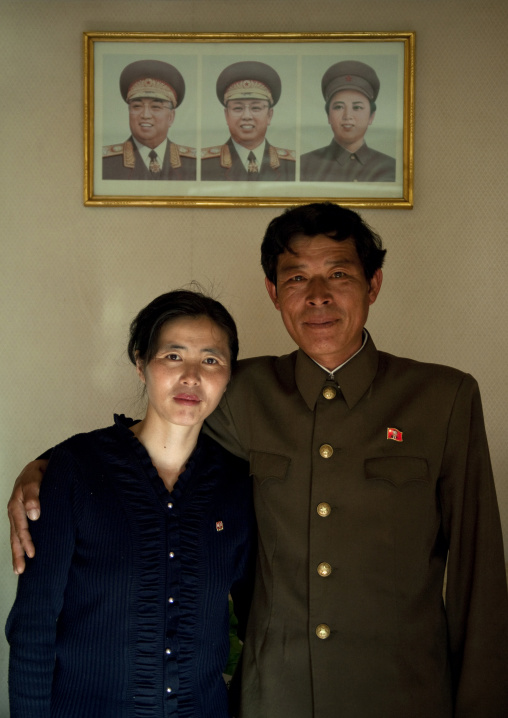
<point x="222" y="151"/>
<point x="176" y="152"/>
<point x="208" y="153"/>
<point x="122" y="148"/>
<point x="285" y="154"/>
<point x="113" y="150"/>
<point x="187" y="151"/>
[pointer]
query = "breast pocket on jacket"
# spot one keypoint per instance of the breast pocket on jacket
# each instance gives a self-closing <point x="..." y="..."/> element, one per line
<point x="397" y="470"/>
<point x="265" y="466"/>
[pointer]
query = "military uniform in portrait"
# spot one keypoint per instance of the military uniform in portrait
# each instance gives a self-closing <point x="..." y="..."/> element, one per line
<point x="223" y="163"/>
<point x="248" y="91"/>
<point x="123" y="162"/>
<point x="335" y="164"/>
<point x="152" y="91"/>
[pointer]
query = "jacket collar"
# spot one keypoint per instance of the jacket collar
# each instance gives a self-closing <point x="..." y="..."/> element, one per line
<point x="343" y="156"/>
<point x="353" y="379"/>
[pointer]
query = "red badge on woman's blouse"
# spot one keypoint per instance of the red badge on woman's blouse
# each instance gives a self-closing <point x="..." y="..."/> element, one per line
<point x="219" y="526"/>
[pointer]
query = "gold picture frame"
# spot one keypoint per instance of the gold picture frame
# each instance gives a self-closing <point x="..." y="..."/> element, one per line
<point x="310" y="68"/>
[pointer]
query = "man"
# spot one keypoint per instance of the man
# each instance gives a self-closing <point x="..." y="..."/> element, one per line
<point x="350" y="90"/>
<point x="248" y="90"/>
<point x="370" y="473"/>
<point x="152" y="90"/>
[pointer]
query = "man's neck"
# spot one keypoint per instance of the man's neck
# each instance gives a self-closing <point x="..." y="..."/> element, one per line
<point x="331" y="372"/>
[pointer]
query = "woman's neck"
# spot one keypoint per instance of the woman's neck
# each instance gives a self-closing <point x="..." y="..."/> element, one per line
<point x="168" y="446"/>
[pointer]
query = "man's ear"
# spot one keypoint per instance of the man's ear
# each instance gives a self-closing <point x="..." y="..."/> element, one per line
<point x="375" y="285"/>
<point x="272" y="292"/>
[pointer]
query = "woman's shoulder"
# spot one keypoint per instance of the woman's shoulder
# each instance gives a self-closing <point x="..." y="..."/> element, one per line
<point x="98" y="439"/>
<point x="84" y="444"/>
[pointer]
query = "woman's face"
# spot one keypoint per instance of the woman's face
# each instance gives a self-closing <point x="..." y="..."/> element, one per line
<point x="350" y="117"/>
<point x="189" y="373"/>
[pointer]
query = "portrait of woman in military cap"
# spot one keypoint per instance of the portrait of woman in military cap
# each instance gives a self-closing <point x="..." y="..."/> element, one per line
<point x="350" y="89"/>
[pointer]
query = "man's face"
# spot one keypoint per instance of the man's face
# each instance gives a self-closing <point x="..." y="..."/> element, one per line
<point x="349" y="116"/>
<point x="324" y="297"/>
<point x="248" y="121"/>
<point x="150" y="120"/>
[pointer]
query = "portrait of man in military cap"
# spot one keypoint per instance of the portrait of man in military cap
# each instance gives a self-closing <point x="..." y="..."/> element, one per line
<point x="248" y="90"/>
<point x="350" y="89"/>
<point x="153" y="90"/>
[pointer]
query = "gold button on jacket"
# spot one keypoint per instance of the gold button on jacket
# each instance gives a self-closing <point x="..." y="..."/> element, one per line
<point x="324" y="569"/>
<point x="326" y="451"/>
<point x="324" y="509"/>
<point x="329" y="392"/>
<point x="323" y="631"/>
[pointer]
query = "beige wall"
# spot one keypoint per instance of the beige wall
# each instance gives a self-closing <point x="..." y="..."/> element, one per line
<point x="72" y="277"/>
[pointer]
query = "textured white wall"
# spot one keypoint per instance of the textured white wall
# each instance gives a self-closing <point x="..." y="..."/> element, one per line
<point x="72" y="277"/>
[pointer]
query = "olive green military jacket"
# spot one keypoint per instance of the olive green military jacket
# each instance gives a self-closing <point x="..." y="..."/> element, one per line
<point x="363" y="484"/>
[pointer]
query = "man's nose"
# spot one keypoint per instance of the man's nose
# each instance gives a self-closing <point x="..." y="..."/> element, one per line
<point x="318" y="292"/>
<point x="247" y="111"/>
<point x="147" y="110"/>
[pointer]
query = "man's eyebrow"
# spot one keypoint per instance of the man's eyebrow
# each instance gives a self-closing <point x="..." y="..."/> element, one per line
<point x="302" y="265"/>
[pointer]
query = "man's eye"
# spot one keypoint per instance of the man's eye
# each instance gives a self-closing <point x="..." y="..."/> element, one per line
<point x="339" y="274"/>
<point x="297" y="278"/>
<point x="211" y="360"/>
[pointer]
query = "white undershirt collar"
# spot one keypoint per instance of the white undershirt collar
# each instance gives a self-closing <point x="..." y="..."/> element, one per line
<point x="144" y="151"/>
<point x="243" y="153"/>
<point x="332" y="372"/>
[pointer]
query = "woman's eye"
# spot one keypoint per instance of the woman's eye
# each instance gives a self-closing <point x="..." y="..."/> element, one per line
<point x="173" y="357"/>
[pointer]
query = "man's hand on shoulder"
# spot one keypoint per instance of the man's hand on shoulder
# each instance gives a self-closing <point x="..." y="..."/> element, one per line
<point x="24" y="502"/>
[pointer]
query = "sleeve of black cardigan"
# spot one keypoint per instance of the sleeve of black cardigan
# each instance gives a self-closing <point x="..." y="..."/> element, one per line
<point x="31" y="625"/>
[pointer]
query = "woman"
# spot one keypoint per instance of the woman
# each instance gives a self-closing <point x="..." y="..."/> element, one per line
<point x="146" y="527"/>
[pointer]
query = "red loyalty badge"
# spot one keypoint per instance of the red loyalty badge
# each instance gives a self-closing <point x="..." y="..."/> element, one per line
<point x="394" y="434"/>
<point x="219" y="526"/>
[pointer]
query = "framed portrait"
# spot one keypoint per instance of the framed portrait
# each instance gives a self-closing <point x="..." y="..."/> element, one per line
<point x="244" y="119"/>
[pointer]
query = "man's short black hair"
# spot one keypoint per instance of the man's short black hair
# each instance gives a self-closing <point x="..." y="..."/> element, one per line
<point x="321" y="218"/>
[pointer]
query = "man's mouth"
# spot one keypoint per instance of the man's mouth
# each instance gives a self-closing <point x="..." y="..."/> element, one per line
<point x="319" y="323"/>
